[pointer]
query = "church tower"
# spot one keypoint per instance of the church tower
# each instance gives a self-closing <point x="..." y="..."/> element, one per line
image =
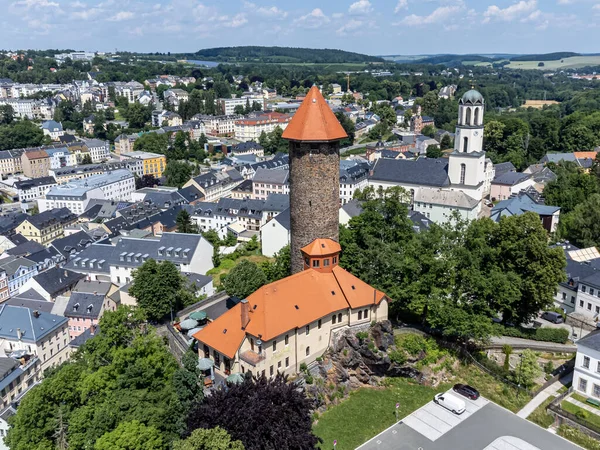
<point x="314" y="134"/>
<point x="466" y="168"/>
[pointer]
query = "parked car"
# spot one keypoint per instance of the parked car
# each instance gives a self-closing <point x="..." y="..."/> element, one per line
<point x="450" y="402"/>
<point x="552" y="316"/>
<point x="466" y="391"/>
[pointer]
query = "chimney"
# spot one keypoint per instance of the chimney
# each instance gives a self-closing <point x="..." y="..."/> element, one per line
<point x="36" y="314"/>
<point x="93" y="329"/>
<point x="19" y="334"/>
<point x="245" y="313"/>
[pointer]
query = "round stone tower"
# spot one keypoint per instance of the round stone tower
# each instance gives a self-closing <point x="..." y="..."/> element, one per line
<point x="314" y="134"/>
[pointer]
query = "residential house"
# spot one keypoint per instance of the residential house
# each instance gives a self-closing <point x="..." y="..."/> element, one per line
<point x="441" y="205"/>
<point x="37" y="333"/>
<point x="586" y="375"/>
<point x="242" y="190"/>
<point x="249" y="147"/>
<point x="88" y="124"/>
<point x="275" y="234"/>
<point x="266" y="182"/>
<point x="154" y="163"/>
<point x="18" y="270"/>
<point x="175" y="97"/>
<point x="10" y="162"/>
<point x="35" y="163"/>
<point x="99" y="150"/>
<point x="124" y="143"/>
<point x="46" y="226"/>
<point x="215" y="185"/>
<point x="506" y="184"/>
<point x="53" y="129"/>
<point x="29" y="190"/>
<point x="53" y="282"/>
<point x="200" y="285"/>
<point x="76" y="195"/>
<point x="289" y="323"/>
<point x="251" y="127"/>
<point x="60" y="157"/>
<point x="227" y="105"/>
<point x="17" y="376"/>
<point x="87" y="303"/>
<point x="73" y="243"/>
<point x="524" y="202"/>
<point x="115" y="262"/>
<point x="354" y="175"/>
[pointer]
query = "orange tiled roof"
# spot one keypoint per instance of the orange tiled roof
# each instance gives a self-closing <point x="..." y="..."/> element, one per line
<point x="224" y="334"/>
<point x="583" y="155"/>
<point x="314" y="121"/>
<point x="322" y="247"/>
<point x="36" y="154"/>
<point x="287" y="304"/>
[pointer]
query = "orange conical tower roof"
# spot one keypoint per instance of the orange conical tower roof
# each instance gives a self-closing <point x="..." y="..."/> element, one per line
<point x="314" y="121"/>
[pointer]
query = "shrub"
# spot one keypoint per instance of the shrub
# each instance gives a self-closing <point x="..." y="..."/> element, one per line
<point x="362" y="335"/>
<point x="398" y="357"/>
<point x="308" y="379"/>
<point x="576" y="436"/>
<point x="318" y="359"/>
<point x="558" y="335"/>
<point x="549" y="367"/>
<point x="412" y="343"/>
<point x="582" y="414"/>
<point x="303" y="367"/>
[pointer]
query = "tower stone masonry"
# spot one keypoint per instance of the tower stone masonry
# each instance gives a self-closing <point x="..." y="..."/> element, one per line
<point x="314" y="134"/>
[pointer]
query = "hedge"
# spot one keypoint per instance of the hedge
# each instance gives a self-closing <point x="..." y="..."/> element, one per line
<point x="558" y="335"/>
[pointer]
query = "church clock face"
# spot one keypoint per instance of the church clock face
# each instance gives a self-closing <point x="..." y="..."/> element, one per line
<point x="476" y="133"/>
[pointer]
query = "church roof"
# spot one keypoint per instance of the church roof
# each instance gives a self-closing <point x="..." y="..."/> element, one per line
<point x="473" y="97"/>
<point x="314" y="121"/>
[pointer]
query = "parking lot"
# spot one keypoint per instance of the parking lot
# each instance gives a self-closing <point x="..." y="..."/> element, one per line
<point x="483" y="426"/>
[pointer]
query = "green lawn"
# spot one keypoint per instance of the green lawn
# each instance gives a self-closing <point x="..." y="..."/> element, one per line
<point x="584" y="414"/>
<point x="583" y="398"/>
<point x="540" y="416"/>
<point x="369" y="411"/>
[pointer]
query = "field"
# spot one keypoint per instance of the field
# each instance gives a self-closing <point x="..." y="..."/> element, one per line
<point x="369" y="411"/>
<point x="573" y="62"/>
<point x="539" y="104"/>
<point x="228" y="264"/>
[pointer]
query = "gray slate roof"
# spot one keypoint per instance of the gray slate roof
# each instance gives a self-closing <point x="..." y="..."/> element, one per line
<point x="591" y="341"/>
<point x="33" y="326"/>
<point x="84" y="305"/>
<point x="72" y="243"/>
<point x="278" y="176"/>
<point x="284" y="219"/>
<point x="57" y="280"/>
<point x="510" y="178"/>
<point x="504" y="167"/>
<point x="353" y="208"/>
<point x="518" y="205"/>
<point x="276" y="202"/>
<point x="423" y="171"/>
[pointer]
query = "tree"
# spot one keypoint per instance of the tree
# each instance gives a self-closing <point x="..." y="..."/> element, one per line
<point x="87" y="159"/>
<point x="244" y="279"/>
<point x="528" y="369"/>
<point x="153" y="143"/>
<point x="185" y="224"/>
<point x="137" y="115"/>
<point x="264" y="414"/>
<point x="348" y="127"/>
<point x="188" y="381"/>
<point x="281" y="267"/>
<point x="239" y="109"/>
<point x="21" y="134"/>
<point x="7" y="114"/>
<point x="507" y="350"/>
<point x="156" y="286"/>
<point x="428" y="130"/>
<point x="433" y="151"/>
<point x="582" y="225"/>
<point x="123" y="374"/>
<point x="209" y="439"/>
<point x="132" y="435"/>
<point x="177" y="173"/>
<point x="147" y="180"/>
<point x="446" y="142"/>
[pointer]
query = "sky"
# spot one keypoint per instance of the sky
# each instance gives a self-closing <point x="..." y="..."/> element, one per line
<point x="375" y="27"/>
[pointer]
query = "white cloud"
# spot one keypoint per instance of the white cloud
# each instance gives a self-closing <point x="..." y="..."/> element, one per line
<point x="515" y="11"/>
<point x="565" y="2"/>
<point x="337" y="15"/>
<point x="235" y="22"/>
<point x="439" y="15"/>
<point x="205" y="13"/>
<point x="350" y="26"/>
<point x="402" y="4"/>
<point x="360" y="7"/>
<point x="273" y="11"/>
<point x="78" y="4"/>
<point x="313" y="19"/>
<point x="27" y="4"/>
<point x="86" y="14"/>
<point x="121" y="15"/>
<point x="596" y="7"/>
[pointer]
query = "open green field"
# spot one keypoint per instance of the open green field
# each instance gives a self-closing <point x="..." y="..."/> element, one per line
<point x="369" y="411"/>
<point x="573" y="62"/>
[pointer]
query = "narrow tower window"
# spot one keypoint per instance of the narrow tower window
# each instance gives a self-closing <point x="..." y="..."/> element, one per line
<point x="477" y="117"/>
<point x="465" y="144"/>
<point x="463" y="170"/>
<point x="468" y="120"/>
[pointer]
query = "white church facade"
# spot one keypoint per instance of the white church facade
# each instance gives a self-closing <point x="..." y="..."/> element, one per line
<point x="445" y="186"/>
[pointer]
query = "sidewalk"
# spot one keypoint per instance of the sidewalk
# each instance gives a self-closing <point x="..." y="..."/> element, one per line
<point x="589" y="408"/>
<point x="544" y="395"/>
<point x="519" y="343"/>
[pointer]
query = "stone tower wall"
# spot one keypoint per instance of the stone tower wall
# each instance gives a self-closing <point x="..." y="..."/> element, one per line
<point x="314" y="195"/>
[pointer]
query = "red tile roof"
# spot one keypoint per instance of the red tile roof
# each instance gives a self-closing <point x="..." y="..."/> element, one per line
<point x="322" y="247"/>
<point x="314" y="121"/>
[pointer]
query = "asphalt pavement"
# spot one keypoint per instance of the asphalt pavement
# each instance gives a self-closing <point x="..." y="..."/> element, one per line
<point x="489" y="427"/>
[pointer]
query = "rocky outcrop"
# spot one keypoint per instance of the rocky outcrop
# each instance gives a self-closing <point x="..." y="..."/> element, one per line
<point x="355" y="360"/>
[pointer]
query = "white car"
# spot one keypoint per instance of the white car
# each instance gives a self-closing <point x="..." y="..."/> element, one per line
<point x="450" y="402"/>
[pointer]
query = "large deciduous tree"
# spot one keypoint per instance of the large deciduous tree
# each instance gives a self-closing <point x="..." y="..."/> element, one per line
<point x="177" y="173"/>
<point x="244" y="279"/>
<point x="209" y="439"/>
<point x="132" y="435"/>
<point x="264" y="414"/>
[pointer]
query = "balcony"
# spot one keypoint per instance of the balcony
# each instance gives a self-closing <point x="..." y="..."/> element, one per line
<point x="252" y="357"/>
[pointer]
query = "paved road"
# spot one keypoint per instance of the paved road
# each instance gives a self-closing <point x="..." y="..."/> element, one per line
<point x="488" y="428"/>
<point x="550" y="391"/>
<point x="518" y="343"/>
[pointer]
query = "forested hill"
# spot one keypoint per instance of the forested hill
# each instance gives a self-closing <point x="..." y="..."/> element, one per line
<point x="545" y="57"/>
<point x="283" y="55"/>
